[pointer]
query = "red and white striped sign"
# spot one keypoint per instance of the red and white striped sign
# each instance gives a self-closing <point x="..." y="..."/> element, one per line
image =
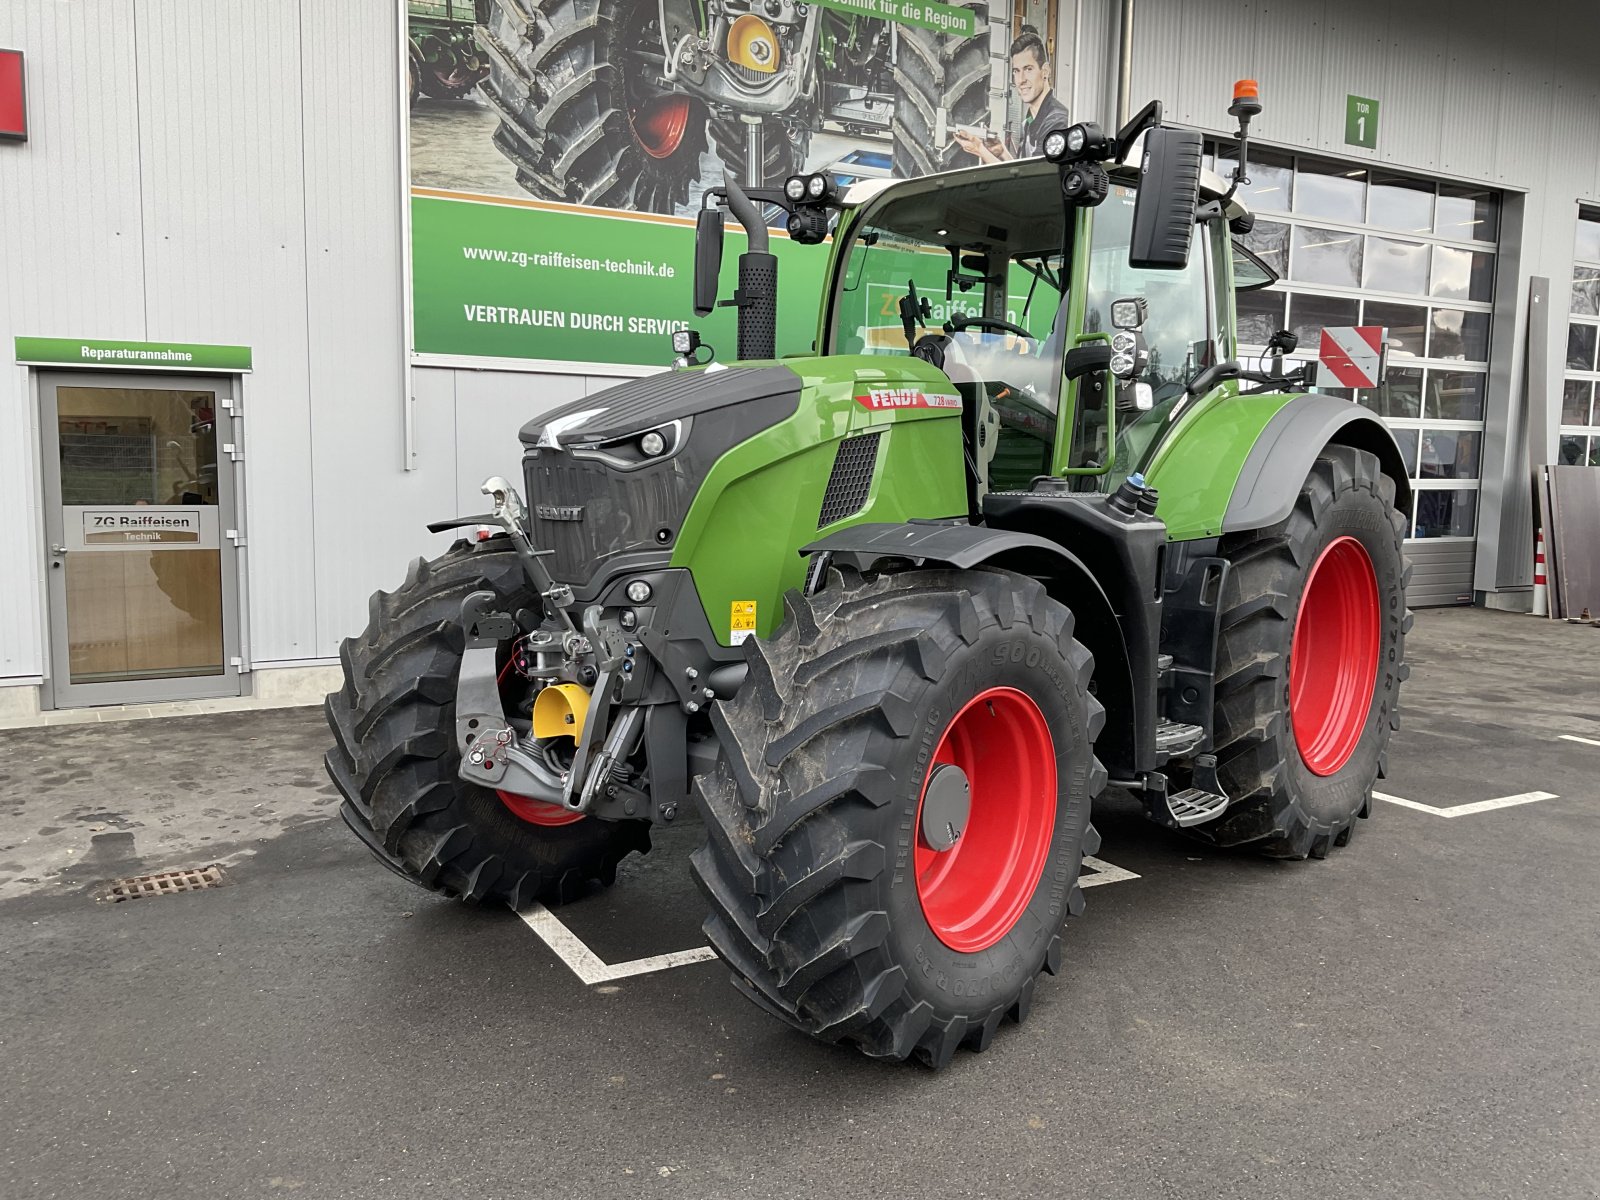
<point x="1354" y="354"/>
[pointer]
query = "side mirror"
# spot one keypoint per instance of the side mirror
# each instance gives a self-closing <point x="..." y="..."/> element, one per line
<point x="707" y="259"/>
<point x="1164" y="206"/>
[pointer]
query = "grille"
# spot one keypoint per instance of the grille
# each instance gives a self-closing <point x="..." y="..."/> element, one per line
<point x="851" y="479"/>
<point x="165" y="884"/>
<point x="618" y="511"/>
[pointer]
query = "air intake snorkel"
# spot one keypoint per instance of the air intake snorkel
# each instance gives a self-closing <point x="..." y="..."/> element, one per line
<point x="757" y="295"/>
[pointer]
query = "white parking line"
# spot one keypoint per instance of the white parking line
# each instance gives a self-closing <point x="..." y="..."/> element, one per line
<point x="592" y="969"/>
<point x="1104" y="872"/>
<point x="1467" y="810"/>
<point x="1572" y="737"/>
<point x="589" y="966"/>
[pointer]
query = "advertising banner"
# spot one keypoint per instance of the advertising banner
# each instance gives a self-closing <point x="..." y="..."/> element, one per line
<point x="560" y="150"/>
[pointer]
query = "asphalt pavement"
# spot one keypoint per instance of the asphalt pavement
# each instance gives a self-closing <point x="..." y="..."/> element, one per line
<point x="1416" y="1016"/>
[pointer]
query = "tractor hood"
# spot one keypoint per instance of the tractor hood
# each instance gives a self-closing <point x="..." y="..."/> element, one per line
<point x="640" y="405"/>
<point x="614" y="474"/>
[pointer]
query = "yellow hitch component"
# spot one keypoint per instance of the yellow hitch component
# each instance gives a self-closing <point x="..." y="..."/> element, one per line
<point x="751" y="44"/>
<point x="560" y="710"/>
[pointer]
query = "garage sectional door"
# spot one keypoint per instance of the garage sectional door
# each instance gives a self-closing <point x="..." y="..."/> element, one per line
<point x="1359" y="245"/>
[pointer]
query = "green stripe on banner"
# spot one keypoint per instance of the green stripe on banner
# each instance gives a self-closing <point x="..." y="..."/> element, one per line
<point x="944" y="18"/>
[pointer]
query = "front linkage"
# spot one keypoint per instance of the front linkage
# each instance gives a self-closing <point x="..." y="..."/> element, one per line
<point x="611" y="681"/>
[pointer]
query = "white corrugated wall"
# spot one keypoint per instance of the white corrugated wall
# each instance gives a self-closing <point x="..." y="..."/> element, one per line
<point x="231" y="173"/>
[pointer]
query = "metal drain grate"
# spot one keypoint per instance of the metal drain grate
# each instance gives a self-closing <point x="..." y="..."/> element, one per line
<point x="165" y="883"/>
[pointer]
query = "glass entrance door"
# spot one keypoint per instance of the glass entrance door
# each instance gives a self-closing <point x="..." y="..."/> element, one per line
<point x="140" y="568"/>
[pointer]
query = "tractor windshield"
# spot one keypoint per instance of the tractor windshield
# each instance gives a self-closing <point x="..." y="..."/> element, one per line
<point x="970" y="273"/>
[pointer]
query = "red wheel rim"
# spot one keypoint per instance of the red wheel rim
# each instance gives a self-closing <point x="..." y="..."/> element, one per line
<point x="973" y="893"/>
<point x="1333" y="660"/>
<point x="660" y="125"/>
<point x="537" y="812"/>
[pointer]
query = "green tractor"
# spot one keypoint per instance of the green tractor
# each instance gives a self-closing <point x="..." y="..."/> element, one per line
<point x="892" y="615"/>
<point x="442" y="58"/>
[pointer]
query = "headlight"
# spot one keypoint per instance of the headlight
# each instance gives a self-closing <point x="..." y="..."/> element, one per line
<point x="1055" y="145"/>
<point x="1124" y="355"/>
<point x="652" y="443"/>
<point x="816" y="186"/>
<point x="1083" y="142"/>
<point x="639" y="591"/>
<point x="795" y="187"/>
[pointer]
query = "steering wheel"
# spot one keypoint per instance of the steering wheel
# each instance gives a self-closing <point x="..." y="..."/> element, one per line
<point x="961" y="321"/>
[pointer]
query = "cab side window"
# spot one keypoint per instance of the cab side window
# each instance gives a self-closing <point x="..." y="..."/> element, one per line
<point x="1178" y="328"/>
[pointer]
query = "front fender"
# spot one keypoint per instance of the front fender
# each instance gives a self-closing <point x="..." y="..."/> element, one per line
<point x="957" y="545"/>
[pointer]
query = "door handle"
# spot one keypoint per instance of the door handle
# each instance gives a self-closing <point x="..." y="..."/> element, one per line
<point x="58" y="551"/>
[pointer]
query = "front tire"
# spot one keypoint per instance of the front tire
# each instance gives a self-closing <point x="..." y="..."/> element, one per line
<point x="395" y="758"/>
<point x="831" y="900"/>
<point x="1310" y="664"/>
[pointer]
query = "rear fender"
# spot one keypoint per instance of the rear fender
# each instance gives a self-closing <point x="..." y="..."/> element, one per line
<point x="1276" y="468"/>
<point x="1064" y="576"/>
<point x="1238" y="462"/>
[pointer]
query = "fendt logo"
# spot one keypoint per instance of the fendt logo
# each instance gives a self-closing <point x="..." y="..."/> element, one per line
<point x="881" y="398"/>
<point x="558" y="512"/>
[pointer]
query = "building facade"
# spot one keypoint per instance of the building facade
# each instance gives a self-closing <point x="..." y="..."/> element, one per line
<point x="209" y="232"/>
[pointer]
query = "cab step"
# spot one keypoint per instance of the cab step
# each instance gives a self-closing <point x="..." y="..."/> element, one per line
<point x="1174" y="740"/>
<point x="1195" y="807"/>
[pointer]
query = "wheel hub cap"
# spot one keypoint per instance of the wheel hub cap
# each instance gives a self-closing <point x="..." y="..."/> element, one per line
<point x="945" y="806"/>
<point x="1333" y="659"/>
<point x="986" y="819"/>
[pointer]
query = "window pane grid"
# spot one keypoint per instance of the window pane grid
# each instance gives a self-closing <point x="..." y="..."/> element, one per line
<point x="1578" y="441"/>
<point x="1359" y="244"/>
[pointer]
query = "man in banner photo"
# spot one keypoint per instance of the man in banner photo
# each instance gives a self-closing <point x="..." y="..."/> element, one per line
<point x="1030" y="76"/>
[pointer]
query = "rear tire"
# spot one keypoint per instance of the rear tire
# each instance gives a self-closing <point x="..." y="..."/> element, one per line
<point x="934" y="72"/>
<point x="395" y="757"/>
<point x="814" y="865"/>
<point x="1281" y="806"/>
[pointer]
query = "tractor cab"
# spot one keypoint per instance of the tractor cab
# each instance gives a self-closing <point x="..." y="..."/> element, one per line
<point x="989" y="277"/>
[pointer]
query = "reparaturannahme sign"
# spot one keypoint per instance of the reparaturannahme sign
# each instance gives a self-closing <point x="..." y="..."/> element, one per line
<point x="159" y="356"/>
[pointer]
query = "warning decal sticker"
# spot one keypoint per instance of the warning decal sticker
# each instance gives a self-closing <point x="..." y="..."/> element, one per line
<point x="742" y="623"/>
